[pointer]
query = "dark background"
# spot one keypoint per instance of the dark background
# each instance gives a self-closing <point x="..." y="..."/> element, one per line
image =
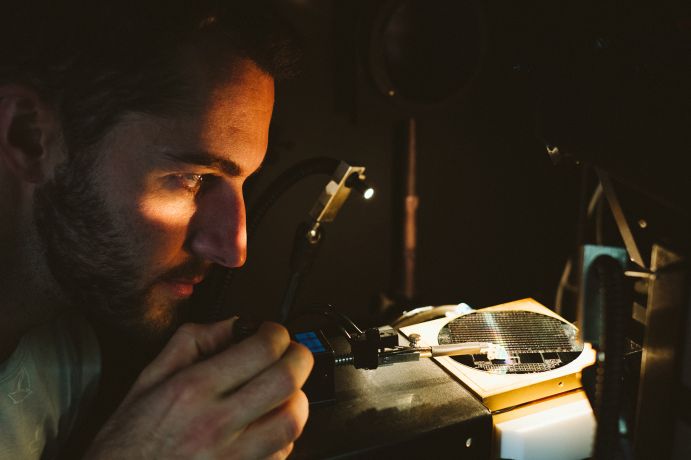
<point x="608" y="82"/>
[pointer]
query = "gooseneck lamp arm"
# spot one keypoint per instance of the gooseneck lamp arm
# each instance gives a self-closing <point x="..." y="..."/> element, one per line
<point x="310" y="234"/>
<point x="344" y="178"/>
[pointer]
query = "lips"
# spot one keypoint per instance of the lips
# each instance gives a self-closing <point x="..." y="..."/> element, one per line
<point x="183" y="287"/>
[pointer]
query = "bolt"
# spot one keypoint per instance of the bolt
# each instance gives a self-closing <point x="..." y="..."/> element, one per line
<point x="313" y="236"/>
<point x="469" y="442"/>
<point x="642" y="223"/>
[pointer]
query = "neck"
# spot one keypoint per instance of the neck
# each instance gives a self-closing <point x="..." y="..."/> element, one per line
<point x="28" y="292"/>
<point x="25" y="304"/>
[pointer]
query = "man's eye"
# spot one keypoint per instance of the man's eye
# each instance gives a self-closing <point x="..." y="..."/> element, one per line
<point x="189" y="181"/>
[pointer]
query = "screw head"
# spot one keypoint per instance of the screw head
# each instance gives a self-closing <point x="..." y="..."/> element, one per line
<point x="313" y="236"/>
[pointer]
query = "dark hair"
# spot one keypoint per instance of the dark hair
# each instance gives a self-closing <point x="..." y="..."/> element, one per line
<point x="96" y="60"/>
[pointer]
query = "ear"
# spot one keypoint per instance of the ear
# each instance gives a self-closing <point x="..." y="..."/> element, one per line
<point x="26" y="127"/>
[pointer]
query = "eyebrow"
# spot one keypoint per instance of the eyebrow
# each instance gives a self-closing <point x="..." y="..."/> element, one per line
<point x="209" y="160"/>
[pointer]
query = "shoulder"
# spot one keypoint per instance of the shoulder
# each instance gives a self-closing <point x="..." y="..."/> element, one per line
<point x="68" y="350"/>
<point x="50" y="381"/>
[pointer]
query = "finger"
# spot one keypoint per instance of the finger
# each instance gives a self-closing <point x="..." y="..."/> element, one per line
<point x="239" y="363"/>
<point x="283" y="453"/>
<point x="269" y="389"/>
<point x="189" y="344"/>
<point x="273" y="435"/>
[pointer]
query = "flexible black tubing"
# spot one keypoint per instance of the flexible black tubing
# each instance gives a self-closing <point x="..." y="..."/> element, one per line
<point x="286" y="180"/>
<point x="610" y="372"/>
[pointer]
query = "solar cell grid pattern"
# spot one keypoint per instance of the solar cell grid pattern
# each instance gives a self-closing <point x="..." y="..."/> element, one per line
<point x="535" y="342"/>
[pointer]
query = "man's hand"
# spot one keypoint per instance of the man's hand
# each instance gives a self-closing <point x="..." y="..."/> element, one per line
<point x="204" y="398"/>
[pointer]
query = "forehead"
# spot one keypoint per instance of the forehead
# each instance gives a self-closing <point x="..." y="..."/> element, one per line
<point x="229" y="120"/>
<point x="235" y="104"/>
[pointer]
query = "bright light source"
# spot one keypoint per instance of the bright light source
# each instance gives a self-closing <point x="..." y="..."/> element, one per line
<point x="358" y="183"/>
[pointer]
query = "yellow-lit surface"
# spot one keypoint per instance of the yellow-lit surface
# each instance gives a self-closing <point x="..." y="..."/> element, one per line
<point x="503" y="391"/>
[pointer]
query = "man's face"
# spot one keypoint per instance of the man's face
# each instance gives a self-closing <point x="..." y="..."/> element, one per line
<point x="163" y="201"/>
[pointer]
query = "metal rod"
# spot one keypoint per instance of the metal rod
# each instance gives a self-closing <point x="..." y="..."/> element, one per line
<point x="410" y="219"/>
<point x="620" y="219"/>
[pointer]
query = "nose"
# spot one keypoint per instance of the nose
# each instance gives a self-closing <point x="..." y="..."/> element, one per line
<point x="218" y="228"/>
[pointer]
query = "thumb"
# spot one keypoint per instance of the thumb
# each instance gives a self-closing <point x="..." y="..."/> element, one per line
<point x="189" y="344"/>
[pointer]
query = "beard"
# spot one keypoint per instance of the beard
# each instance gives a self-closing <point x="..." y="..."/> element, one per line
<point x="99" y="262"/>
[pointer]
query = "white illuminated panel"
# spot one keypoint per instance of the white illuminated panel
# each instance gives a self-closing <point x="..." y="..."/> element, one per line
<point x="560" y="428"/>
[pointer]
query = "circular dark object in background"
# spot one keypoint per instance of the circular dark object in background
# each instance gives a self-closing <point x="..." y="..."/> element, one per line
<point x="426" y="53"/>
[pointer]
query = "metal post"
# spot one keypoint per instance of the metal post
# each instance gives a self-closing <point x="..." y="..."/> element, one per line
<point x="410" y="219"/>
<point x="659" y="404"/>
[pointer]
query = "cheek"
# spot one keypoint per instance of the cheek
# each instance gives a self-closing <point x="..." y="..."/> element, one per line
<point x="165" y="224"/>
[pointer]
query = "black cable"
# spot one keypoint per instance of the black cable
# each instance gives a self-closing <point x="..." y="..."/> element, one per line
<point x="346" y="325"/>
<point x="344" y="319"/>
<point x="333" y="320"/>
<point x="289" y="296"/>
<point x="610" y="372"/>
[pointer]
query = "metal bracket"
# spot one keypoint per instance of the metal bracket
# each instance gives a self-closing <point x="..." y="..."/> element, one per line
<point x="620" y="218"/>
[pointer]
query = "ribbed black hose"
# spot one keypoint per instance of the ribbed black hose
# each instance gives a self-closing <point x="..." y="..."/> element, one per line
<point x="610" y="372"/>
<point x="222" y="278"/>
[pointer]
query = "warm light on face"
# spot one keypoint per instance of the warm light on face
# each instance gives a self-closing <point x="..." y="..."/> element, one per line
<point x="172" y="187"/>
<point x="167" y="212"/>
